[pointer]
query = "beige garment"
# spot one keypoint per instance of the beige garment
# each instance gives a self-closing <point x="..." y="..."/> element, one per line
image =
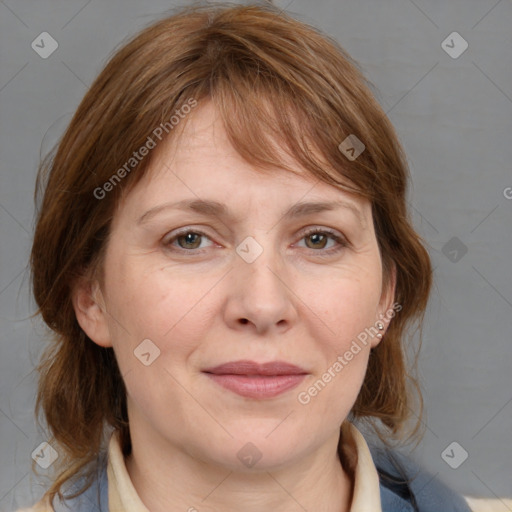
<point x="489" y="505"/>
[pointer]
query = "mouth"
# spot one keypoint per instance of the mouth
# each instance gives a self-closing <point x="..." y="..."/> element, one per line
<point x="253" y="380"/>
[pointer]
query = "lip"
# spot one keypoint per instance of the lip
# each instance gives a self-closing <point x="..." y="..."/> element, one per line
<point x="255" y="380"/>
<point x="246" y="367"/>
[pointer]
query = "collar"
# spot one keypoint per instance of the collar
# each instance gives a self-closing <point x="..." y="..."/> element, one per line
<point x="123" y="497"/>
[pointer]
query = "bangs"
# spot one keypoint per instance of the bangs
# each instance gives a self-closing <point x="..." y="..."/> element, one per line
<point x="274" y="121"/>
<point x="277" y="104"/>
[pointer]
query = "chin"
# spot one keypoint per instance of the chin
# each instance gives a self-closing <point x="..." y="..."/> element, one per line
<point x="250" y="453"/>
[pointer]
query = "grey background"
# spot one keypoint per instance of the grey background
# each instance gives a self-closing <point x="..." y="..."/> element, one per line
<point x="454" y="117"/>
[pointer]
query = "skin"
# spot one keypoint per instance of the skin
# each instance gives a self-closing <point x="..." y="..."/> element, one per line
<point x="202" y="305"/>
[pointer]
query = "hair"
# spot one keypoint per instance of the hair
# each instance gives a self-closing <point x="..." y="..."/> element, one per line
<point x="274" y="80"/>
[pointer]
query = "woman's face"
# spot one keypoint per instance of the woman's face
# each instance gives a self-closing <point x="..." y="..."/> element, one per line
<point x="186" y="290"/>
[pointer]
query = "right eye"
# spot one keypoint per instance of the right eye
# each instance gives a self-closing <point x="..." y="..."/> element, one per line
<point x="188" y="240"/>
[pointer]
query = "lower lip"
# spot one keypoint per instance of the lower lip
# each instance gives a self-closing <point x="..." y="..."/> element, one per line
<point x="255" y="386"/>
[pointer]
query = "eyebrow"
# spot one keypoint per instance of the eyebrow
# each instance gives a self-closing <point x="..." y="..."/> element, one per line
<point x="215" y="209"/>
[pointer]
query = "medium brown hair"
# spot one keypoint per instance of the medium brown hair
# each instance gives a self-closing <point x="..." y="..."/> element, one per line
<point x="273" y="79"/>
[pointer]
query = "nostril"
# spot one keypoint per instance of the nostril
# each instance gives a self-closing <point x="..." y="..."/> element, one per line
<point x="244" y="320"/>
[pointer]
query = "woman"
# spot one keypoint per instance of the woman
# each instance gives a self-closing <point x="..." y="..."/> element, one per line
<point x="224" y="253"/>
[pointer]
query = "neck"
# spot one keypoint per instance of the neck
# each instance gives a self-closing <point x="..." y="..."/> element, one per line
<point x="168" y="479"/>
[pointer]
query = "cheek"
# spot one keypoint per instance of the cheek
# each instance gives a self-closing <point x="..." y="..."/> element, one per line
<point x="347" y="310"/>
<point x="157" y="304"/>
<point x="346" y="307"/>
<point x="169" y="311"/>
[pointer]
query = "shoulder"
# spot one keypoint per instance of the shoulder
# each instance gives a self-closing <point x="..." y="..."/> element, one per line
<point x="41" y="506"/>
<point x="93" y="499"/>
<point x="407" y="487"/>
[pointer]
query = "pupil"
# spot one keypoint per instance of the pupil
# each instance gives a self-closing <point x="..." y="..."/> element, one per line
<point x="189" y="238"/>
<point x="317" y="238"/>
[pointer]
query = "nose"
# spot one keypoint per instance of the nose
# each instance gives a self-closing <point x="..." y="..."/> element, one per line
<point x="260" y="297"/>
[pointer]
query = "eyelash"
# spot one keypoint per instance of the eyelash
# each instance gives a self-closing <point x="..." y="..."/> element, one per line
<point x="342" y="243"/>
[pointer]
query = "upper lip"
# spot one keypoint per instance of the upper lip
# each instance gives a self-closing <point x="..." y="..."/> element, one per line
<point x="244" y="367"/>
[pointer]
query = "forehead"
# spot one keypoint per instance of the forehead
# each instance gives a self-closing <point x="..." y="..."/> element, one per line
<point x="199" y="163"/>
<point x="201" y="138"/>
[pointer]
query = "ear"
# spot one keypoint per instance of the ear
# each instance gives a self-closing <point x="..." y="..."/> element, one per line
<point x="90" y="311"/>
<point x="386" y="311"/>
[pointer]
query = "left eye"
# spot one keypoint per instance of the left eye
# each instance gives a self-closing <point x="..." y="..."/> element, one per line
<point x="319" y="238"/>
